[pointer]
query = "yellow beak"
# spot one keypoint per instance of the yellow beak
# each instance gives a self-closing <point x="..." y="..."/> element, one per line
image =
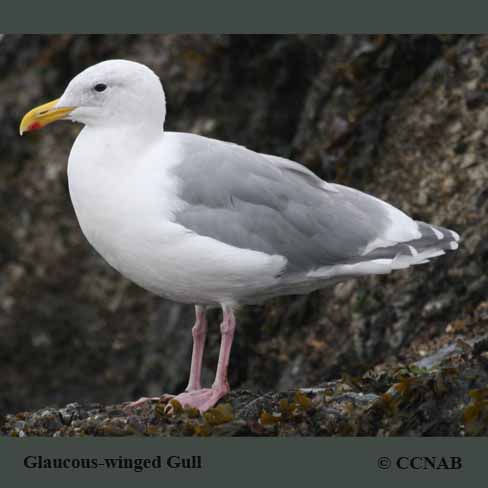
<point x="43" y="115"/>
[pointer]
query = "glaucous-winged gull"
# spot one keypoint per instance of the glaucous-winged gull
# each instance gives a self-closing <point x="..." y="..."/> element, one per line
<point x="211" y="223"/>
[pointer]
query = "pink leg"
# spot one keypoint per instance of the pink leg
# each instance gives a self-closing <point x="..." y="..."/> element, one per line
<point x="206" y="398"/>
<point x="199" y="333"/>
<point x="227" y="329"/>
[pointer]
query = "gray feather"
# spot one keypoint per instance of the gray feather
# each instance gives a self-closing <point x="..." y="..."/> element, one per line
<point x="273" y="205"/>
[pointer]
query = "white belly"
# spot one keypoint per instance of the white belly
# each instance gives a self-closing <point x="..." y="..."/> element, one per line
<point x="125" y="212"/>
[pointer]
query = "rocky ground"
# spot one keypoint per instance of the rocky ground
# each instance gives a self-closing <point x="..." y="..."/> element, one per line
<point x="443" y="394"/>
<point x="402" y="117"/>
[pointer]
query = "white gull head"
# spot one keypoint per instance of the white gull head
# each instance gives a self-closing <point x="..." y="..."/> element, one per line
<point x="116" y="93"/>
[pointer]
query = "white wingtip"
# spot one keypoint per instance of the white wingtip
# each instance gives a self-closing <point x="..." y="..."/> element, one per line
<point x="438" y="234"/>
<point x="413" y="250"/>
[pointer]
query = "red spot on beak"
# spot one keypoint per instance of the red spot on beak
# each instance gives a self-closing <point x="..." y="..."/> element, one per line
<point x="35" y="126"/>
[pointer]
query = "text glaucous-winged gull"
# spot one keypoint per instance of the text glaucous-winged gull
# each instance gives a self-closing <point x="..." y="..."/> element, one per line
<point x="211" y="223"/>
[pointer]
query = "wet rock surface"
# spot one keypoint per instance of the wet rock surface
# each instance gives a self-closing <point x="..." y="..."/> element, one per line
<point x="444" y="394"/>
<point x="402" y="117"/>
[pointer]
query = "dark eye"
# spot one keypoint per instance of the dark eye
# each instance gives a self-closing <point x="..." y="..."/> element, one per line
<point x="99" y="87"/>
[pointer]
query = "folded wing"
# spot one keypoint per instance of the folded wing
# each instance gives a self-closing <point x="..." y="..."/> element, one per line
<point x="278" y="207"/>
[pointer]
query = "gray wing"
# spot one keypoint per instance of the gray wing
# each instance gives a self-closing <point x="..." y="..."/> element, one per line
<point x="273" y="205"/>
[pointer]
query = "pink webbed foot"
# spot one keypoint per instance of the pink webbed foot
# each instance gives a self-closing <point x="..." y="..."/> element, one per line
<point x="202" y="400"/>
<point x="143" y="400"/>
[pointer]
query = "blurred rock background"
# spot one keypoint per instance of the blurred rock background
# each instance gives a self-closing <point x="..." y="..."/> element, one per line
<point x="402" y="117"/>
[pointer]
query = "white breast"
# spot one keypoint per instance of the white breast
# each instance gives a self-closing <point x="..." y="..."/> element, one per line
<point x="125" y="203"/>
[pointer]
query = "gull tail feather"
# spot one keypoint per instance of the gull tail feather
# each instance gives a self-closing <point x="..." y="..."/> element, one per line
<point x="434" y="241"/>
